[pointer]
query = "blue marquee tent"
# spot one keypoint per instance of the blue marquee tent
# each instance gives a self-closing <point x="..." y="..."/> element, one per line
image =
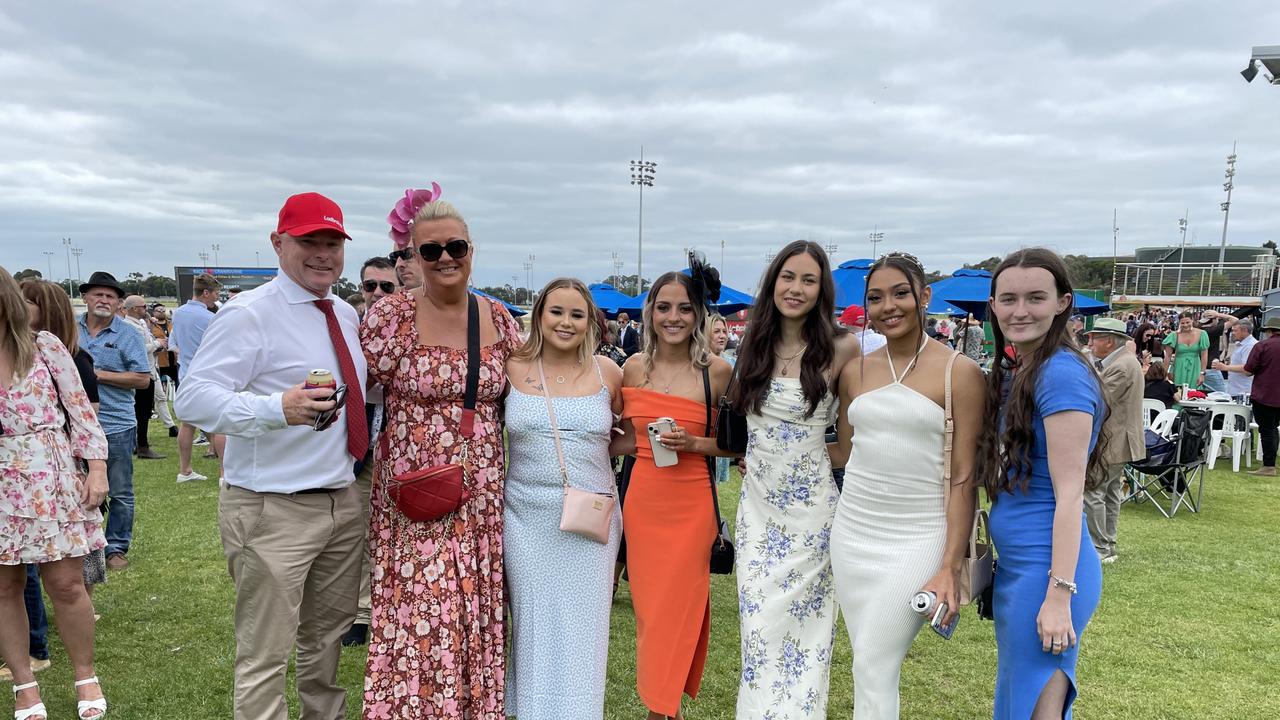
<point x="731" y="301"/>
<point x="851" y="288"/>
<point x="969" y="289"/>
<point x="515" y="311"/>
<point x="611" y="300"/>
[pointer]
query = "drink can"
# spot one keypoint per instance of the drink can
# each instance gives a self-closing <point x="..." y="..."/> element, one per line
<point x="320" y="378"/>
<point x="924" y="602"/>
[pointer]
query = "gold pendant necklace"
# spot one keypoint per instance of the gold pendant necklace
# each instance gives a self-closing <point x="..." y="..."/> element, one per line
<point x="786" y="361"/>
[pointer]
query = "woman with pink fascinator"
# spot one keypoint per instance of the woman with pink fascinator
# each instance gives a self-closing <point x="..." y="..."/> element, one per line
<point x="401" y="221"/>
<point x="436" y="641"/>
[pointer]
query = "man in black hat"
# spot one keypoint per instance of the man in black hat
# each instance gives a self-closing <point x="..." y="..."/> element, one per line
<point x="121" y="364"/>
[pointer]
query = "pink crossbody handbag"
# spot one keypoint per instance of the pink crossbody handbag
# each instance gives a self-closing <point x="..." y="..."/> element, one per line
<point x="585" y="513"/>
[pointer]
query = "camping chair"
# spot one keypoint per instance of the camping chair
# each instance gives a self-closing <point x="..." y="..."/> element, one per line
<point x="1230" y="422"/>
<point x="1174" y="465"/>
<point x="1163" y="424"/>
<point x="1150" y="409"/>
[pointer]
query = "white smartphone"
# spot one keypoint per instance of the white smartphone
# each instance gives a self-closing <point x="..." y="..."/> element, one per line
<point x="662" y="455"/>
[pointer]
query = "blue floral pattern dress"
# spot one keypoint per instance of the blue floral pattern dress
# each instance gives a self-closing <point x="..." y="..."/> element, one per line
<point x="786" y="599"/>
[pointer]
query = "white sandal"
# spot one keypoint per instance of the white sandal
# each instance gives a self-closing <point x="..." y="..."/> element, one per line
<point x="35" y="711"/>
<point x="84" y="706"/>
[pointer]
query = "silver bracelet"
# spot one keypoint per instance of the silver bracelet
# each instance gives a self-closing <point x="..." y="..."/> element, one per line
<point x="1061" y="583"/>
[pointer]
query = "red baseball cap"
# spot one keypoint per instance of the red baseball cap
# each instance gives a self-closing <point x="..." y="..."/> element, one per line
<point x="853" y="315"/>
<point x="306" y="213"/>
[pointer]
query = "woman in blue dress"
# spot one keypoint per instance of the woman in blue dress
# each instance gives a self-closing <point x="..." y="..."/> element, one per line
<point x="1051" y="409"/>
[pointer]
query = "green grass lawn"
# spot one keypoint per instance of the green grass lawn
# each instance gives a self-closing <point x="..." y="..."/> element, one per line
<point x="1187" y="627"/>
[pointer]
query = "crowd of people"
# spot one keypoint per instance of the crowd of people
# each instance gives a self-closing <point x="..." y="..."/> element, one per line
<point x="420" y="504"/>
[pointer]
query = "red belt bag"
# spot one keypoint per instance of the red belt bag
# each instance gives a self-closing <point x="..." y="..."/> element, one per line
<point x="431" y="493"/>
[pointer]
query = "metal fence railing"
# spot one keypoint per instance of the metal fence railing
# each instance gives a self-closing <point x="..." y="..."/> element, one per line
<point x="1198" y="279"/>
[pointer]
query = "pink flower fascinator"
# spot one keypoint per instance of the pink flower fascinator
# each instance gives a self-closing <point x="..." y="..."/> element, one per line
<point x="401" y="217"/>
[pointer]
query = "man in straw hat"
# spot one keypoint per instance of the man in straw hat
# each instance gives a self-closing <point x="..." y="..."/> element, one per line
<point x="1122" y="385"/>
<point x="1264" y="365"/>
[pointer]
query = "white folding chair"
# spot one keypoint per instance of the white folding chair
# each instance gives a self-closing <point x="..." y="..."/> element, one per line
<point x="1229" y="421"/>
<point x="1150" y="409"/>
<point x="1163" y="424"/>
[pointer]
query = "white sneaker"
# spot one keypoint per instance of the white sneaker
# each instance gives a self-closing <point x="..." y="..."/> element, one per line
<point x="188" y="477"/>
<point x="1108" y="559"/>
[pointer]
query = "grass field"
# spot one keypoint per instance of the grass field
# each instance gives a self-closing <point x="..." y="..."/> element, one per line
<point x="1187" y="627"/>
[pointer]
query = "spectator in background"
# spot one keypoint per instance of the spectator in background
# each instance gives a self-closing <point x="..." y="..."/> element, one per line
<point x="144" y="401"/>
<point x="121" y="364"/>
<point x="1186" y="352"/>
<point x="1123" y="430"/>
<point x="629" y="340"/>
<point x="930" y="329"/>
<point x="1263" y="366"/>
<point x="1239" y="383"/>
<point x="378" y="279"/>
<point x="608" y="330"/>
<point x="189" y="324"/>
<point x="356" y="301"/>
<point x="1147" y="339"/>
<point x="1158" y="387"/>
<point x="406" y="269"/>
<point x="969" y="338"/>
<point x="1214" y="324"/>
<point x="1078" y="332"/>
<point x="158" y="323"/>
<point x="854" y="317"/>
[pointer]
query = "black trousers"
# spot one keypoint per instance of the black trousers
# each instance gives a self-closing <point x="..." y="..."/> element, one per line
<point x="1267" y="417"/>
<point x="144" y="401"/>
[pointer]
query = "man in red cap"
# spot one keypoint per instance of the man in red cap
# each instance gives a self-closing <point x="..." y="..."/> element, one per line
<point x="290" y="520"/>
<point x="855" y="318"/>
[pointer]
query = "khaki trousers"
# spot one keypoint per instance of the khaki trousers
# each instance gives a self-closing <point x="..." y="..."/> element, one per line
<point x="295" y="561"/>
<point x="1102" y="509"/>
<point x="364" y="485"/>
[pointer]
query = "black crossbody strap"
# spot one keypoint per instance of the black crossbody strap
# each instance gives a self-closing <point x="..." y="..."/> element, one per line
<point x="473" y="366"/>
<point x="711" y="461"/>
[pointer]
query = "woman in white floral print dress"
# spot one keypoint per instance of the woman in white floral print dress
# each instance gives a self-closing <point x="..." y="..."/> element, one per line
<point x="786" y="602"/>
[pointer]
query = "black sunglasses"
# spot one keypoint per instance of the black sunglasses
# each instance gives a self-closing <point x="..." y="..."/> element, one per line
<point x="457" y="249"/>
<point x="326" y="417"/>
<point x="387" y="286"/>
<point x="402" y="254"/>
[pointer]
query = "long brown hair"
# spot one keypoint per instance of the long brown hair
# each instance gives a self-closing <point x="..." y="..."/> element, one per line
<point x="532" y="348"/>
<point x="16" y="337"/>
<point x="1004" y="446"/>
<point x="55" y="311"/>
<point x="764" y="331"/>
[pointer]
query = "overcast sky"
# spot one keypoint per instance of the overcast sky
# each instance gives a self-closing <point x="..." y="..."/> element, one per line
<point x="147" y="131"/>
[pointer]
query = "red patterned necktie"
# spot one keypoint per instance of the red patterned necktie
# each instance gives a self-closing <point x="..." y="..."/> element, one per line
<point x="357" y="431"/>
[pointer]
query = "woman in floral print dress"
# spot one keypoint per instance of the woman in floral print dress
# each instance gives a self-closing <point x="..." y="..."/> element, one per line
<point x="436" y="632"/>
<point x="786" y="603"/>
<point x="48" y="511"/>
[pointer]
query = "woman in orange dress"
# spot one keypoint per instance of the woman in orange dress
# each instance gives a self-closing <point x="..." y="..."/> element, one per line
<point x="668" y="518"/>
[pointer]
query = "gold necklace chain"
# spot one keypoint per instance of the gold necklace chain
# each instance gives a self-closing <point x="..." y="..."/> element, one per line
<point x="786" y="361"/>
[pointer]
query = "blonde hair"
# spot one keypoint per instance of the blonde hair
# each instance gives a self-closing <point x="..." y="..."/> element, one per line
<point x="699" y="352"/>
<point x="16" y="338"/>
<point x="440" y="210"/>
<point x="532" y="348"/>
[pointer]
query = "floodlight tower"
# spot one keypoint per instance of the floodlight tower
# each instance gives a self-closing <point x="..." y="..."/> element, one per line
<point x="66" y="242"/>
<point x="1182" y="249"/>
<point x="642" y="173"/>
<point x="876" y="236"/>
<point x="1228" y="186"/>
<point x="48" y="256"/>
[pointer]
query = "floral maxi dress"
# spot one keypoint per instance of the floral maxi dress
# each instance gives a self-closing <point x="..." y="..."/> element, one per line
<point x="786" y="600"/>
<point x="436" y="640"/>
<point x="41" y="519"/>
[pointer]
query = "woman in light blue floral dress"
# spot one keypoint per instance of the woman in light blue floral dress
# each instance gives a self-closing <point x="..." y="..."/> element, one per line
<point x="786" y="602"/>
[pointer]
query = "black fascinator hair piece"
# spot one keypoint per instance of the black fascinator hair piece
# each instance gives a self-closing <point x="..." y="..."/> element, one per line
<point x="706" y="279"/>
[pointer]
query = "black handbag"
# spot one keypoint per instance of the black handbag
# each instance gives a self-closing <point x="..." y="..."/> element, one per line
<point x="722" y="546"/>
<point x="731" y="425"/>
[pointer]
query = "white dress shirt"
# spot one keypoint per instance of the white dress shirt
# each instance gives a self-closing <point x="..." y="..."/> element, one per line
<point x="1237" y="382"/>
<point x="256" y="348"/>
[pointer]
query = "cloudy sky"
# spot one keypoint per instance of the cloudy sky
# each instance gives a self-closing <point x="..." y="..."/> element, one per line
<point x="147" y="132"/>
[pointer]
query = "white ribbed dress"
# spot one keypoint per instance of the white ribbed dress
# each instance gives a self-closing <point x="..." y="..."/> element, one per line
<point x="888" y="536"/>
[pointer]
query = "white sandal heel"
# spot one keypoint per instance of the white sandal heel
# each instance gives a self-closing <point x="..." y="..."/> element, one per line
<point x="84" y="706"/>
<point x="35" y="711"/>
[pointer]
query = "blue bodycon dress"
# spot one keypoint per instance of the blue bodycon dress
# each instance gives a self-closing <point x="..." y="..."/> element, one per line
<point x="1022" y="530"/>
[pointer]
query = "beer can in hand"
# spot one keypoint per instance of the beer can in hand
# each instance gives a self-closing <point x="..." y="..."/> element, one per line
<point x="320" y="378"/>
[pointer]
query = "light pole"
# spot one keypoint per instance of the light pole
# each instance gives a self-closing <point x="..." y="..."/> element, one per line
<point x="1229" y="185"/>
<point x="204" y="260"/>
<point x="66" y="242"/>
<point x="515" y="286"/>
<point x="48" y="256"/>
<point x="876" y="236"/>
<point x="642" y="173"/>
<point x="528" y="280"/>
<point x="257" y="259"/>
<point x="76" y="252"/>
<point x="831" y="249"/>
<point x="617" y="267"/>
<point x="721" y="254"/>
<point x="1182" y="249"/>
<point x="216" y="248"/>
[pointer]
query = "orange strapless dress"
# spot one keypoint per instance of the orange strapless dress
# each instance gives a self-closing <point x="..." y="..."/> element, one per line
<point x="669" y="524"/>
